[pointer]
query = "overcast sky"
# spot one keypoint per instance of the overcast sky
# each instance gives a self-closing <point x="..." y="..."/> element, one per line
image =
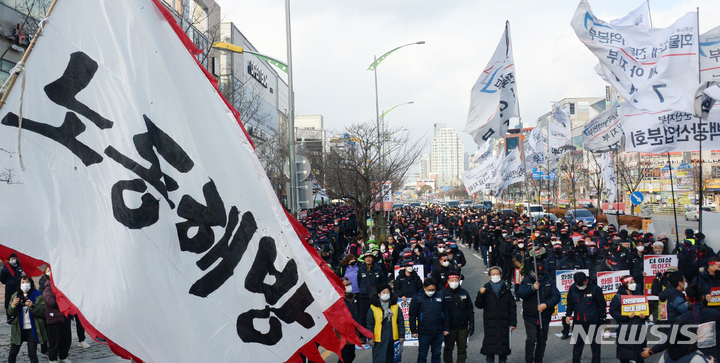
<point x="334" y="42"/>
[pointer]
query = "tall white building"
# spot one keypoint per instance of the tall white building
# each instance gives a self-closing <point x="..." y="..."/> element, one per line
<point x="424" y="166"/>
<point x="447" y="156"/>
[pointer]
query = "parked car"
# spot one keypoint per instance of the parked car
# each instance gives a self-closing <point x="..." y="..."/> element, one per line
<point x="506" y="211"/>
<point x="691" y="213"/>
<point x="532" y="209"/>
<point x="537" y="216"/>
<point x="453" y="203"/>
<point x="577" y="215"/>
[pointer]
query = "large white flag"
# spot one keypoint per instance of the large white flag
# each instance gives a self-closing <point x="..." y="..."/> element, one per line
<point x="493" y="100"/>
<point x="710" y="55"/>
<point x="654" y="68"/>
<point x="510" y="171"/>
<point x="485" y="151"/>
<point x="666" y="131"/>
<point x="604" y="132"/>
<point x="639" y="17"/>
<point x="482" y="178"/>
<point x="144" y="194"/>
<point x="560" y="139"/>
<point x="608" y="174"/>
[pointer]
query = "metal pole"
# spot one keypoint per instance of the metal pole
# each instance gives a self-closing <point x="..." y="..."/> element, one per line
<point x="672" y="194"/>
<point x="293" y="192"/>
<point x="700" y="181"/>
<point x="537" y="279"/>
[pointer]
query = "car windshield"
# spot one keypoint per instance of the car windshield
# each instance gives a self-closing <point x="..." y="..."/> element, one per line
<point x="582" y="213"/>
<point x="536" y="208"/>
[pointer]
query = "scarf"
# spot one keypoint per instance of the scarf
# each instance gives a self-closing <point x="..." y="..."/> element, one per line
<point x="387" y="313"/>
<point x="496" y="287"/>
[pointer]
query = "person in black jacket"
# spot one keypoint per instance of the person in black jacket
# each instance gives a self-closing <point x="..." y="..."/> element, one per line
<point x="499" y="316"/>
<point x="369" y="276"/>
<point x="627" y="351"/>
<point x="348" y="351"/>
<point x="534" y="310"/>
<point x="407" y="283"/>
<point x="427" y="321"/>
<point x="460" y="316"/>
<point x="585" y="307"/>
<point x="11" y="280"/>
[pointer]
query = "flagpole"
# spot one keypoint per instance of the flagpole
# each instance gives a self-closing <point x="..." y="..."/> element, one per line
<point x="650" y="14"/>
<point x="672" y="194"/>
<point x="700" y="183"/>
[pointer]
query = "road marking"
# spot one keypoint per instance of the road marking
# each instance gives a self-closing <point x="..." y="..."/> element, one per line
<point x="326" y="354"/>
<point x="476" y="255"/>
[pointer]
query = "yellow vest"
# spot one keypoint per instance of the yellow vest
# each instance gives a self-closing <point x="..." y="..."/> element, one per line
<point x="378" y="314"/>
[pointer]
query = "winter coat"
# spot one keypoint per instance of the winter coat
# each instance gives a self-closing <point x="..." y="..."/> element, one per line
<point x="549" y="295"/>
<point x="568" y="264"/>
<point x="426" y="314"/>
<point x="407" y="286"/>
<point x="676" y="303"/>
<point x="458" y="308"/>
<point x="700" y="314"/>
<point x="637" y="267"/>
<point x="351" y="273"/>
<point x="368" y="280"/>
<point x="37" y="318"/>
<point x="499" y="314"/>
<point x="440" y="275"/>
<point x="627" y="351"/>
<point x="53" y="315"/>
<point x="11" y="280"/>
<point x="588" y="306"/>
<point x="706" y="281"/>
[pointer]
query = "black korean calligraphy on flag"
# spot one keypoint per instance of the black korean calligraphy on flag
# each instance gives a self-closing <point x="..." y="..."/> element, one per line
<point x="493" y="99"/>
<point x="511" y="170"/>
<point x="604" y="132"/>
<point x="143" y="193"/>
<point x="608" y="173"/>
<point x="655" y="69"/>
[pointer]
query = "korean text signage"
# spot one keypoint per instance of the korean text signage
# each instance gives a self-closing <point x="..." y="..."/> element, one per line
<point x="609" y="282"/>
<point x="656" y="264"/>
<point x="563" y="281"/>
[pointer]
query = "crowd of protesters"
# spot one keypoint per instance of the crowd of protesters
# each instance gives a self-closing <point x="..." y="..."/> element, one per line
<point x="420" y="261"/>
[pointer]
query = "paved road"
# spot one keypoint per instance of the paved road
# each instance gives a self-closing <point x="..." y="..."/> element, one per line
<point x="475" y="277"/>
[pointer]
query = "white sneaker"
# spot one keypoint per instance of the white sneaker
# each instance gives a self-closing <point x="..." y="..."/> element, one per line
<point x="83" y="345"/>
<point x="53" y="361"/>
<point x="65" y="361"/>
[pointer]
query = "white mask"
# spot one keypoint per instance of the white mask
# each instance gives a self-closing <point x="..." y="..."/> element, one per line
<point x="640" y="248"/>
<point x="348" y="288"/>
<point x="382" y="249"/>
<point x="582" y="287"/>
<point x="384" y="297"/>
<point x="13" y="262"/>
<point x="521" y="245"/>
<point x="453" y="285"/>
<point x="445" y="263"/>
<point x="632" y="286"/>
<point x="25" y="287"/>
<point x="685" y="286"/>
<point x="409" y="269"/>
<point x="429" y="293"/>
<point x="441" y="250"/>
<point x="495" y="278"/>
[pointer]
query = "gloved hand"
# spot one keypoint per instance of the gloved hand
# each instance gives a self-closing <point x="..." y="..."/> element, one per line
<point x="471" y="329"/>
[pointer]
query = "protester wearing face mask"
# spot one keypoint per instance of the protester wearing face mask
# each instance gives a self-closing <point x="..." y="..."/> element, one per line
<point x="499" y="316"/>
<point x="368" y="278"/>
<point x="441" y="270"/>
<point x="593" y="257"/>
<point x="11" y="280"/>
<point x="427" y="321"/>
<point x="709" y="278"/>
<point x="537" y="311"/>
<point x="385" y="320"/>
<point x="407" y="283"/>
<point x="637" y="265"/>
<point x="460" y="312"/>
<point x="627" y="351"/>
<point x="28" y="309"/>
<point x="350" y="270"/>
<point x="552" y="261"/>
<point x="348" y="351"/>
<point x="585" y="307"/>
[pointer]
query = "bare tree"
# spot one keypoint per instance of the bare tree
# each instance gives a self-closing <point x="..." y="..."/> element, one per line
<point x="572" y="169"/>
<point x="355" y="170"/>
<point x="697" y="175"/>
<point x="33" y="11"/>
<point x="595" y="178"/>
<point x="631" y="173"/>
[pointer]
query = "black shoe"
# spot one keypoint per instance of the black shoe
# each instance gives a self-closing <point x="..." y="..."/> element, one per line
<point x="565" y="336"/>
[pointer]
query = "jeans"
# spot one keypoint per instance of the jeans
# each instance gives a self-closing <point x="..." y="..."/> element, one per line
<point x="460" y="337"/>
<point x="536" y="341"/>
<point x="490" y="358"/>
<point x="484" y="250"/>
<point x="432" y="342"/>
<point x="26" y="336"/>
<point x="594" y="346"/>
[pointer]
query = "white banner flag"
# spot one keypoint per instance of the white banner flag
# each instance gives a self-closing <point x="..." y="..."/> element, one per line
<point x="666" y="131"/>
<point x="510" y="171"/>
<point x="143" y="193"/>
<point x="559" y="140"/>
<point x="482" y="178"/>
<point x="654" y="68"/>
<point x="639" y="17"/>
<point x="604" y="132"/>
<point x="493" y="98"/>
<point x="608" y="174"/>
<point x="485" y="151"/>
<point x="710" y="55"/>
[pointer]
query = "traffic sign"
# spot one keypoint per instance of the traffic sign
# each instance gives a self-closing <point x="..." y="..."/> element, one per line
<point x="638" y="209"/>
<point x="637" y="198"/>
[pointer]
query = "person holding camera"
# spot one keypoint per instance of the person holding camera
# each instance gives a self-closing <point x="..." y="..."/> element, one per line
<point x="27" y="308"/>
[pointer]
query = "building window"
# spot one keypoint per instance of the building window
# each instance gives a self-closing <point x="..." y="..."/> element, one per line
<point x="572" y="108"/>
<point x="716" y="172"/>
<point x="5" y="67"/>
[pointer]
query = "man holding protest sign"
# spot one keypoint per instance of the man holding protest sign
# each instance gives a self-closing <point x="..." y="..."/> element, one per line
<point x="586" y="308"/>
<point x="628" y="309"/>
<point x="709" y="281"/>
